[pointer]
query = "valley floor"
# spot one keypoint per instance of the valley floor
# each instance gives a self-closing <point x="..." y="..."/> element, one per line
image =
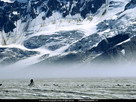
<point x="70" y="88"/>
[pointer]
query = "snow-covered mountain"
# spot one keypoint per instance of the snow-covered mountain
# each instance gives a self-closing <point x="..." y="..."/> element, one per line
<point x="66" y="31"/>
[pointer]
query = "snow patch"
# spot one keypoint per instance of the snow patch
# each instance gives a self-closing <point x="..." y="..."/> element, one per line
<point x="9" y="1"/>
<point x="123" y="52"/>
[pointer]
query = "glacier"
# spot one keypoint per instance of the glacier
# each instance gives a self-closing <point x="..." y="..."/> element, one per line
<point x="67" y="31"/>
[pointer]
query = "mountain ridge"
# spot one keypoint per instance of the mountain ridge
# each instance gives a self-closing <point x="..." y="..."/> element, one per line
<point x="72" y="29"/>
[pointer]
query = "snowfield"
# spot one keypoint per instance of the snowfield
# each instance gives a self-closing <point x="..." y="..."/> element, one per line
<point x="58" y="29"/>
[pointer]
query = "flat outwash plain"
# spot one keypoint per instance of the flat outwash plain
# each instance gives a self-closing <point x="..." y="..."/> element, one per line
<point x="69" y="88"/>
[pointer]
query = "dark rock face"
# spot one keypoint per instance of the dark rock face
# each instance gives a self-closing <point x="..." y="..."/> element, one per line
<point x="31" y="9"/>
<point x="91" y="54"/>
<point x="118" y="26"/>
<point x="123" y="52"/>
<point x="108" y="43"/>
<point x="12" y="55"/>
<point x="7" y="18"/>
<point x="131" y="4"/>
<point x="106" y="24"/>
<point x="55" y="41"/>
<point x="85" y="43"/>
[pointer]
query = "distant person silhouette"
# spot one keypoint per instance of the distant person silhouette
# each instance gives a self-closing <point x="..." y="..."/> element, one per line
<point x="118" y="85"/>
<point x="31" y="82"/>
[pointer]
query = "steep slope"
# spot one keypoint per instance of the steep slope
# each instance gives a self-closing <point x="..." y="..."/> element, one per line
<point x="67" y="31"/>
<point x="111" y="42"/>
<point x="19" y="20"/>
<point x="46" y="26"/>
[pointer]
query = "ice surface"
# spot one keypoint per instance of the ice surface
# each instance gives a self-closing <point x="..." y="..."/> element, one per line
<point x="9" y="1"/>
<point x="83" y="88"/>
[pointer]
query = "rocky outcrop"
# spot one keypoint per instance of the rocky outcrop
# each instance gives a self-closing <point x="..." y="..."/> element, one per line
<point x="124" y="52"/>
<point x="89" y="55"/>
<point x="11" y="12"/>
<point x="85" y="43"/>
<point x="12" y="55"/>
<point x="54" y="41"/>
<point x="131" y="4"/>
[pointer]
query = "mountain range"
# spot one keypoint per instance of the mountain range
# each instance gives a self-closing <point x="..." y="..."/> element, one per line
<point x="45" y="32"/>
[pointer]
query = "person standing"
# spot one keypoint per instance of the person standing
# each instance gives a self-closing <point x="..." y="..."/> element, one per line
<point x="31" y="82"/>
